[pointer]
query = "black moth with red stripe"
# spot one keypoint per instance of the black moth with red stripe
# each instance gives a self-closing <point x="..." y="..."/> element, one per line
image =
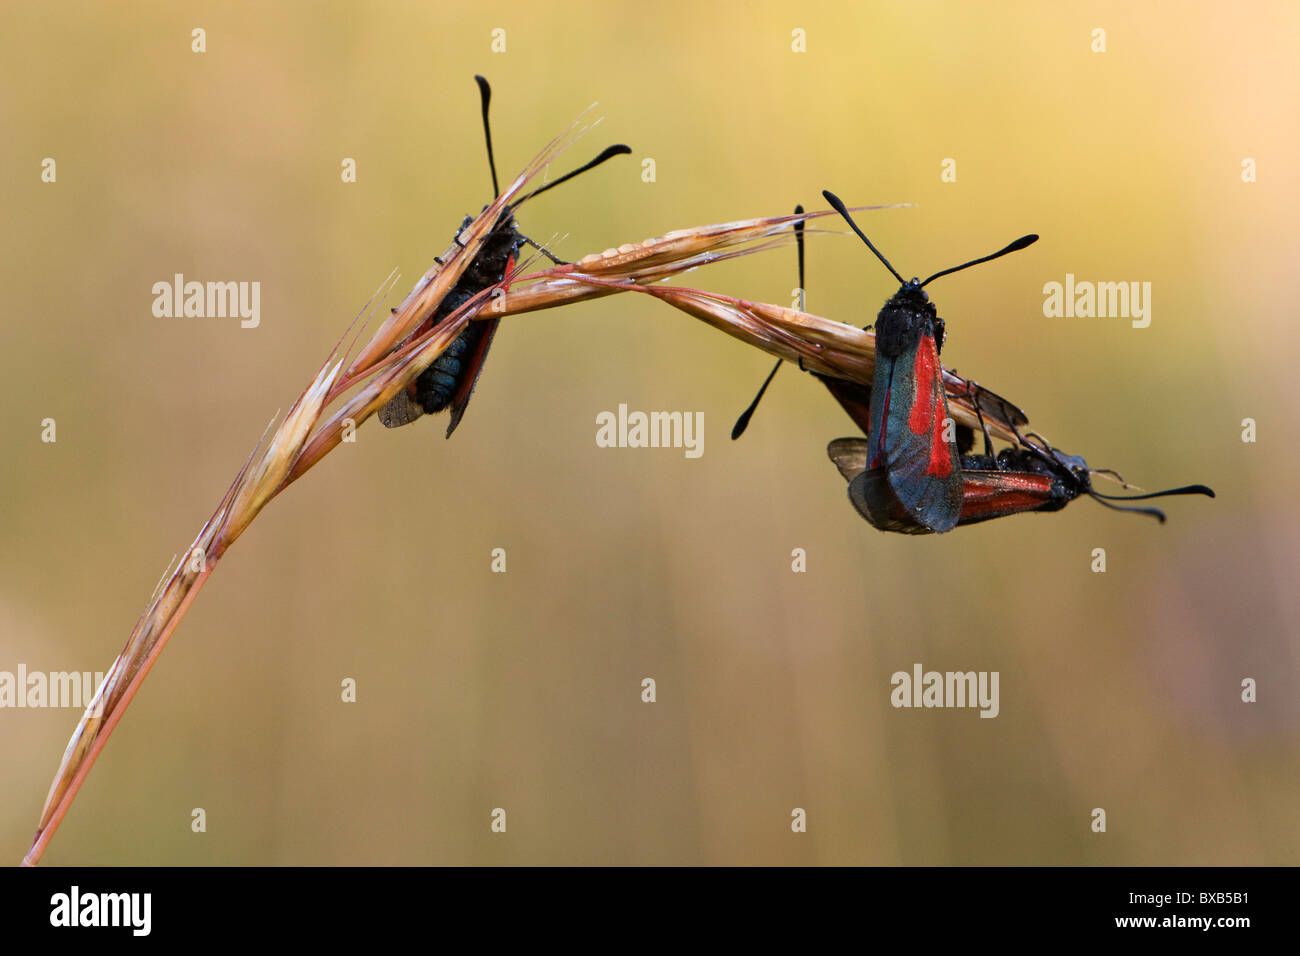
<point x="449" y="380"/>
<point x="1030" y="477"/>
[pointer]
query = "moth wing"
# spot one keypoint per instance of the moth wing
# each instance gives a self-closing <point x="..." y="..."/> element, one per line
<point x="988" y="494"/>
<point x="469" y="377"/>
<point x="874" y="497"/>
<point x="922" y="464"/>
<point x="401" y="409"/>
<point x="853" y="397"/>
<point x="849" y="455"/>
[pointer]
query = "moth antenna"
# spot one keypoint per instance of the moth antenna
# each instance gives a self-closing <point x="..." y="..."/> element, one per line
<point x="618" y="149"/>
<point x="485" y="94"/>
<point x="742" y="422"/>
<point x="1016" y="246"/>
<point x="798" y="242"/>
<point x="840" y="208"/>
<point x="1153" y="512"/>
<point x="1185" y="490"/>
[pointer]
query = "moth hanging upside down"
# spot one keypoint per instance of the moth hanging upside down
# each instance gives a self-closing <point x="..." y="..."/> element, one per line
<point x="1032" y="477"/>
<point x="449" y="381"/>
<point x="912" y="474"/>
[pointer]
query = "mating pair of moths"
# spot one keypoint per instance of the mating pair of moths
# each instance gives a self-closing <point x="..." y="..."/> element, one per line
<point x="914" y="473"/>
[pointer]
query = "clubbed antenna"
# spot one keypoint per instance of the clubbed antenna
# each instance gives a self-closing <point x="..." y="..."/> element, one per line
<point x="839" y="207"/>
<point x="742" y="422"/>
<point x="1016" y="246"/>
<point x="843" y="210"/>
<point x="1154" y="512"/>
<point x="618" y="149"/>
<point x="485" y="94"/>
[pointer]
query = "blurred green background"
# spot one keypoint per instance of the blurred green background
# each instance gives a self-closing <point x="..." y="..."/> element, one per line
<point x="477" y="690"/>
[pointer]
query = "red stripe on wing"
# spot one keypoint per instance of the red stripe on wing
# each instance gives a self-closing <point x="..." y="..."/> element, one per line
<point x="995" y="495"/>
<point x="929" y="411"/>
<point x="923" y="379"/>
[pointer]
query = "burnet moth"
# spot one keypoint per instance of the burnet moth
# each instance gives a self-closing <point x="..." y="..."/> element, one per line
<point x="854" y="397"/>
<point x="912" y="436"/>
<point x="1032" y="477"/>
<point x="449" y="381"/>
<point x="900" y="481"/>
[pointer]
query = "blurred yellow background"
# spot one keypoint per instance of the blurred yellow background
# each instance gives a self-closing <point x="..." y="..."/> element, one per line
<point x="522" y="691"/>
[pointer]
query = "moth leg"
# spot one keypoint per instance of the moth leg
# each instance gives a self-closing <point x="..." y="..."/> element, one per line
<point x="544" y="251"/>
<point x="463" y="226"/>
<point x="975" y="400"/>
